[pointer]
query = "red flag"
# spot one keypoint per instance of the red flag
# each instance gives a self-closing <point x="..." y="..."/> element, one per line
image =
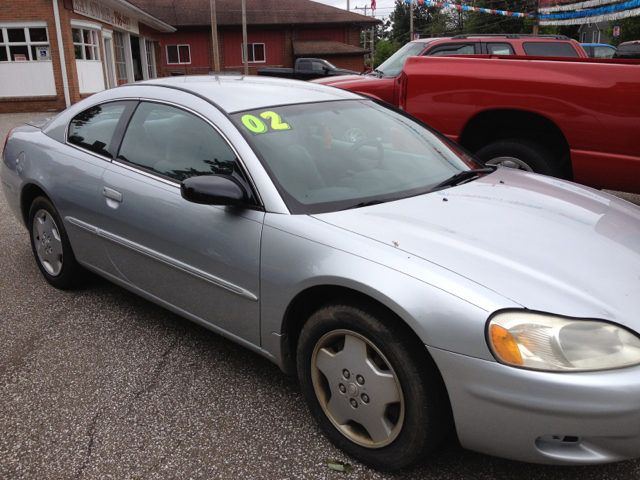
<point x="373" y="7"/>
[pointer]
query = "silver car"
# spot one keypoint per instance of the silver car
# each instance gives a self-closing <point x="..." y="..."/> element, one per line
<point x="414" y="291"/>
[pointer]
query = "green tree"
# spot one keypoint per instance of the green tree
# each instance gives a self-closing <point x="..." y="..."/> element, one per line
<point x="384" y="49"/>
<point x="429" y="21"/>
<point x="629" y="30"/>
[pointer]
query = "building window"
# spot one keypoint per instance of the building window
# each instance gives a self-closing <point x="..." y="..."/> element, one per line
<point x="178" y="54"/>
<point x="24" y="44"/>
<point x="85" y="44"/>
<point x="584" y="37"/>
<point x="151" y="59"/>
<point x="255" y="52"/>
<point x="595" y="37"/>
<point x="121" y="59"/>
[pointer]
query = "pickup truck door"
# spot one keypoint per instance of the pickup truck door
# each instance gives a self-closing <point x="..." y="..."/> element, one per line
<point x="304" y="70"/>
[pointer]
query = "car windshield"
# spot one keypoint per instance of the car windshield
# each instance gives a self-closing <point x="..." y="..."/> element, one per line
<point x="331" y="156"/>
<point x="395" y="63"/>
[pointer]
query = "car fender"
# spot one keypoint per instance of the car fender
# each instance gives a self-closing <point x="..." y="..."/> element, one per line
<point x="444" y="309"/>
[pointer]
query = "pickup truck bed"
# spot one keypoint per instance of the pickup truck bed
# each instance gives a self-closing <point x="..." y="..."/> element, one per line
<point x="582" y="116"/>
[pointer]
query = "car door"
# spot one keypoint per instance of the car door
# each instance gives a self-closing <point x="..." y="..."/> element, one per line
<point x="198" y="259"/>
<point x="92" y="139"/>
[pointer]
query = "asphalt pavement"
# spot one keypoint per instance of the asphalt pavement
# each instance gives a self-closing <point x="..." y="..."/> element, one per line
<point x="99" y="383"/>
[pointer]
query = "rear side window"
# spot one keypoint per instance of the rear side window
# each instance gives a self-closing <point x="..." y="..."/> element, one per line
<point x="500" y="49"/>
<point x="304" y="66"/>
<point x="628" y="51"/>
<point x="93" y="128"/>
<point x="453" y="49"/>
<point x="603" y="52"/>
<point x="549" y="49"/>
<point x="175" y="143"/>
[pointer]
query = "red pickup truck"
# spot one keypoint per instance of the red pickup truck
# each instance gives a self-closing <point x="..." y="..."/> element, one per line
<point x="571" y="118"/>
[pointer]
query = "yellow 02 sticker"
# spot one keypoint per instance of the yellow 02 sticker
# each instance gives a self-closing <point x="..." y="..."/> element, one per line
<point x="258" y="125"/>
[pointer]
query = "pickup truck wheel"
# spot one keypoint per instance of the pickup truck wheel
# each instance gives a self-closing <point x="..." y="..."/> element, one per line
<point x="520" y="154"/>
<point x="372" y="388"/>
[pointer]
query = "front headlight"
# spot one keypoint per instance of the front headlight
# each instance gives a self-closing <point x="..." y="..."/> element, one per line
<point x="546" y="342"/>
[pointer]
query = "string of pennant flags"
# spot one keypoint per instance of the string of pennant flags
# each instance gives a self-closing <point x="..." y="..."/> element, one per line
<point x="575" y="17"/>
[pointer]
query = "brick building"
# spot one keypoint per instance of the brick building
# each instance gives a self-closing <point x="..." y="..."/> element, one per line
<point x="100" y="43"/>
<point x="53" y="53"/>
<point x="278" y="32"/>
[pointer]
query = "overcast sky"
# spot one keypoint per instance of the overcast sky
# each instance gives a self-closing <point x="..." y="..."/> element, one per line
<point x="383" y="7"/>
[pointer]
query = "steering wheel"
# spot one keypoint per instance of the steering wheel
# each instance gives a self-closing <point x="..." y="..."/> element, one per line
<point x="351" y="158"/>
<point x="354" y="135"/>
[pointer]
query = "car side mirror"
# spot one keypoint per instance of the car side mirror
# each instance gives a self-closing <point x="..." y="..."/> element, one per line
<point x="326" y="70"/>
<point x="213" y="190"/>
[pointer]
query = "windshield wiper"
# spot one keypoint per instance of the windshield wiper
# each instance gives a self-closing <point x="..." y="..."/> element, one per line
<point x="367" y="204"/>
<point x="462" y="176"/>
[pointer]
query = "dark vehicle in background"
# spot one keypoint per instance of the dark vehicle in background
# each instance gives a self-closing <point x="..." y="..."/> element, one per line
<point x="307" y="69"/>
<point x="599" y="50"/>
<point x="628" y="50"/>
<point x="382" y="81"/>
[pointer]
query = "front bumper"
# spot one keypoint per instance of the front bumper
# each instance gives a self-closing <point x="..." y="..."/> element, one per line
<point x="542" y="417"/>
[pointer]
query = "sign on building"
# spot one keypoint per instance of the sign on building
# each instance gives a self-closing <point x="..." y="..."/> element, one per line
<point x="97" y="11"/>
<point x="616" y="31"/>
<point x="43" y="53"/>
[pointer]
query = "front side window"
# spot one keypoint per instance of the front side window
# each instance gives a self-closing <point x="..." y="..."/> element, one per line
<point x="93" y="128"/>
<point x="24" y="44"/>
<point x="175" y="143"/>
<point x="453" y="49"/>
<point x="178" y="54"/>
<point x="334" y="155"/>
<point x="85" y="44"/>
<point x="255" y="51"/>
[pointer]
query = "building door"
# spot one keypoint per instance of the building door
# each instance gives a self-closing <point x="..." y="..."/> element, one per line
<point x="136" y="56"/>
<point x="109" y="65"/>
<point x="121" y="58"/>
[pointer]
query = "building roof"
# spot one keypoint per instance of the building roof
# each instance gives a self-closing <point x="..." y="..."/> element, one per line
<point x="183" y="13"/>
<point x="322" y="47"/>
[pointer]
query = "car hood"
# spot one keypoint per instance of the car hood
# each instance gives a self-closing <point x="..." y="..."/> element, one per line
<point x="543" y="243"/>
<point x="346" y="79"/>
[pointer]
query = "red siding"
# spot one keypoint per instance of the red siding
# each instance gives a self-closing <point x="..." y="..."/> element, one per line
<point x="336" y="34"/>
<point x="272" y="40"/>
<point x="198" y="45"/>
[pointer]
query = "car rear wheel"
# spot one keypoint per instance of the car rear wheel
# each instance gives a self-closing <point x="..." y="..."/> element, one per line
<point x="50" y="245"/>
<point x="521" y="154"/>
<point x="371" y="386"/>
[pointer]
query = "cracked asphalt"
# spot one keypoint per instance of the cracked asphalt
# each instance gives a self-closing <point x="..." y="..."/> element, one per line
<point x="99" y="383"/>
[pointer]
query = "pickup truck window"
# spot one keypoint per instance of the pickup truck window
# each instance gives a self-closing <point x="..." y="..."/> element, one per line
<point x="318" y="66"/>
<point x="499" y="49"/>
<point x="453" y="49"/>
<point x="549" y="49"/>
<point x="304" y="66"/>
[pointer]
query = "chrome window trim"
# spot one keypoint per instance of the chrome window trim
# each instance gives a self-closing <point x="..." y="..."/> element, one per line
<point x="66" y="130"/>
<point x="137" y="169"/>
<point x="171" y="262"/>
<point x="224" y="137"/>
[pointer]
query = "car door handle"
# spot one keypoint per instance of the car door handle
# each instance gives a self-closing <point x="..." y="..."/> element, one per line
<point x="112" y="194"/>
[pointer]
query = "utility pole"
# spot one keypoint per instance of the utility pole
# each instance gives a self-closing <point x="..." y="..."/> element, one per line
<point x="347" y="5"/>
<point x="245" y="48"/>
<point x="366" y="33"/>
<point x="214" y="37"/>
<point x="536" y="11"/>
<point x="411" y="21"/>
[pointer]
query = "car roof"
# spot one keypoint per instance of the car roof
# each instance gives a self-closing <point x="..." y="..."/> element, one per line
<point x="236" y="93"/>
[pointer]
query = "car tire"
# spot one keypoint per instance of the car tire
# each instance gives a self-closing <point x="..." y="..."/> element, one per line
<point x="51" y="247"/>
<point x="521" y="154"/>
<point x="352" y="359"/>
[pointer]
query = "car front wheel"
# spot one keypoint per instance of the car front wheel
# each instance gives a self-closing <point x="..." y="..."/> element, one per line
<point x="371" y="385"/>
